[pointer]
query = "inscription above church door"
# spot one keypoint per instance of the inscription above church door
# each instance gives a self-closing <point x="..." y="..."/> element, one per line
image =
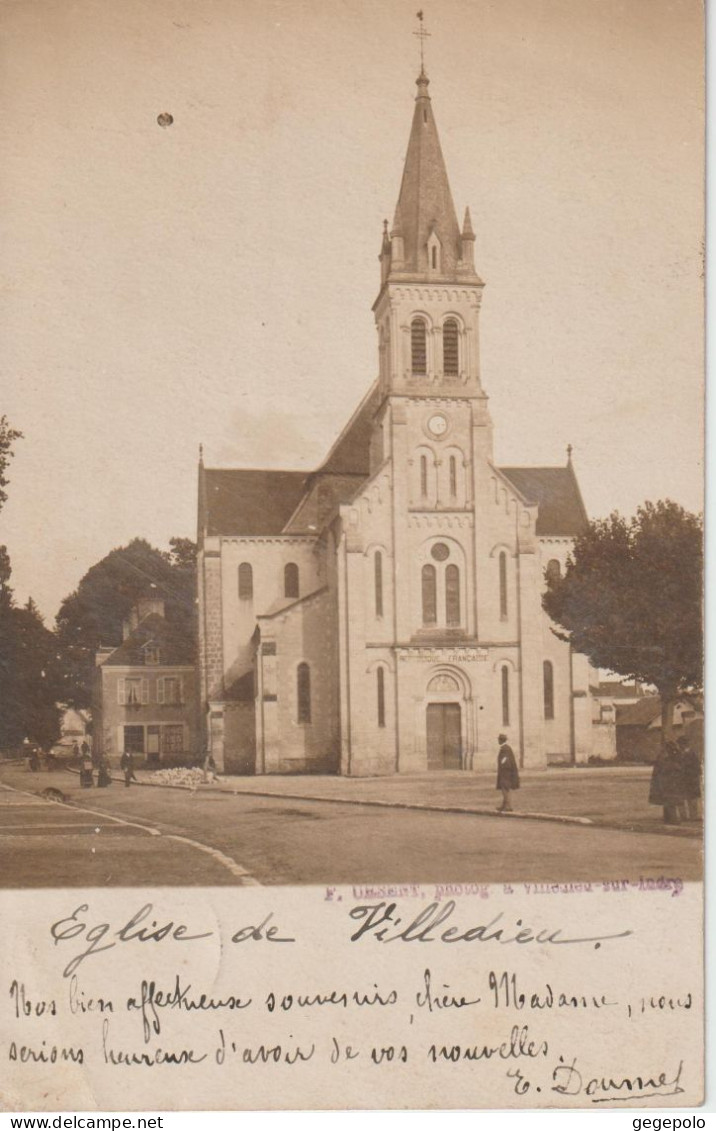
<point x="444" y="734"/>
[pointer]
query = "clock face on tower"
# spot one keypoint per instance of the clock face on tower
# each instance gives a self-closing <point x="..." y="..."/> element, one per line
<point x="437" y="425"/>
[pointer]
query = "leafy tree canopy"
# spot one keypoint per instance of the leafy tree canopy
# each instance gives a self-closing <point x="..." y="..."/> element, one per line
<point x="8" y="436"/>
<point x="631" y="597"/>
<point x="94" y="614"/>
<point x="29" y="674"/>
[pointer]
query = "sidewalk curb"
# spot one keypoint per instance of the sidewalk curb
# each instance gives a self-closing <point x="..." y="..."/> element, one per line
<point x="416" y="806"/>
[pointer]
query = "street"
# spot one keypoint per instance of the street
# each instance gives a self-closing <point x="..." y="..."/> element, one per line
<point x="146" y="836"/>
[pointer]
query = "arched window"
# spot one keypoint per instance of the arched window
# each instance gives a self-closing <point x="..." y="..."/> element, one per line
<point x="453" y="477"/>
<point x="505" y="676"/>
<point x="452" y="595"/>
<point x="553" y="570"/>
<point x="380" y="687"/>
<point x="419" y="346"/>
<point x="450" y="348"/>
<point x="378" y="567"/>
<point x="303" y="690"/>
<point x="548" y="671"/>
<point x="503" y="585"/>
<point x="424" y="476"/>
<point x="290" y="580"/>
<point x="246" y="581"/>
<point x="434" y="257"/>
<point x="430" y="595"/>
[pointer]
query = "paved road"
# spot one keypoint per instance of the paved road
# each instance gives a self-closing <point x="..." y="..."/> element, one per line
<point x="226" y="839"/>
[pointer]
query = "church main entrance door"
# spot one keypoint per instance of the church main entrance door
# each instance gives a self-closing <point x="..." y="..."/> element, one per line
<point x="444" y="732"/>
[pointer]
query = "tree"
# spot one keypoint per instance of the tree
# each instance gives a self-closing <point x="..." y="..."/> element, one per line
<point x="631" y="599"/>
<point x="34" y="685"/>
<point x="29" y="674"/>
<point x="8" y="436"/>
<point x="94" y="614"/>
<point x="30" y="680"/>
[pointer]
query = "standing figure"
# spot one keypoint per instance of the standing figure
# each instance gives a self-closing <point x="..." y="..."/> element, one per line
<point x="103" y="775"/>
<point x="86" y="776"/>
<point x="691" y="771"/>
<point x="210" y="773"/>
<point x="667" y="784"/>
<point x="508" y="776"/>
<point x="127" y="766"/>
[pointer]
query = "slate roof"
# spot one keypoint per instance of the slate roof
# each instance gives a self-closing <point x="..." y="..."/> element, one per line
<point x="615" y="689"/>
<point x="350" y="455"/>
<point x="238" y="502"/>
<point x="321" y="502"/>
<point x="644" y="712"/>
<point x="425" y="202"/>
<point x="174" y="647"/>
<point x="254" y="503"/>
<point x="639" y="714"/>
<point x="555" y="489"/>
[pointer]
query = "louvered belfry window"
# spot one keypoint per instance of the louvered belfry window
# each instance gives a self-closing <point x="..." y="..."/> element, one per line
<point x="419" y="346"/>
<point x="450" y="348"/>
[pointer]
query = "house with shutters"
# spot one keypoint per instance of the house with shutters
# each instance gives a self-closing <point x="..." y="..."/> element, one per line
<point x="383" y="614"/>
<point x="144" y="696"/>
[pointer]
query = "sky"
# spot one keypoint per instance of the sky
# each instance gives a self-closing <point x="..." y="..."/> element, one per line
<point x="211" y="281"/>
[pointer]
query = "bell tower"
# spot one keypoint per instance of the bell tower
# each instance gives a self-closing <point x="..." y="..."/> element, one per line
<point x="428" y="307"/>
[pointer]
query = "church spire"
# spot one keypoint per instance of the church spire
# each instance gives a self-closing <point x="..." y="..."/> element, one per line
<point x="431" y="241"/>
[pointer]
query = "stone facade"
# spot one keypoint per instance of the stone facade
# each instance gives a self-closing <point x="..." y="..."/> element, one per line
<point x="145" y="694"/>
<point x="383" y="614"/>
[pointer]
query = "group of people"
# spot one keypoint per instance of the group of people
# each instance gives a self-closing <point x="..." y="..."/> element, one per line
<point x="35" y="756"/>
<point x="676" y="782"/>
<point x="87" y="768"/>
<point x="90" y="763"/>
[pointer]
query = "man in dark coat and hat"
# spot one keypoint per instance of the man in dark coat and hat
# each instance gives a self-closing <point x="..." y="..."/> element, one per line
<point x="508" y="776"/>
<point x="691" y="778"/>
<point x="667" y="784"/>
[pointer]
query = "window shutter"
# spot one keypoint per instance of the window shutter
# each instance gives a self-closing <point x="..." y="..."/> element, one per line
<point x="120" y="740"/>
<point x="418" y="346"/>
<point x="450" y="348"/>
<point x="121" y="693"/>
<point x="145" y="691"/>
<point x="160" y="690"/>
<point x="180" y="688"/>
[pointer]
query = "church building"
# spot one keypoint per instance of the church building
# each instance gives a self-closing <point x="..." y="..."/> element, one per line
<point x="383" y="613"/>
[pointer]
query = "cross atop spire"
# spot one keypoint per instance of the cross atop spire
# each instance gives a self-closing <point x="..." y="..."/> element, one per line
<point x="422" y="34"/>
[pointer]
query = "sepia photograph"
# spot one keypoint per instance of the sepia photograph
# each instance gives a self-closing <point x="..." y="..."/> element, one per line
<point x="352" y="443"/>
<point x="351" y="555"/>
